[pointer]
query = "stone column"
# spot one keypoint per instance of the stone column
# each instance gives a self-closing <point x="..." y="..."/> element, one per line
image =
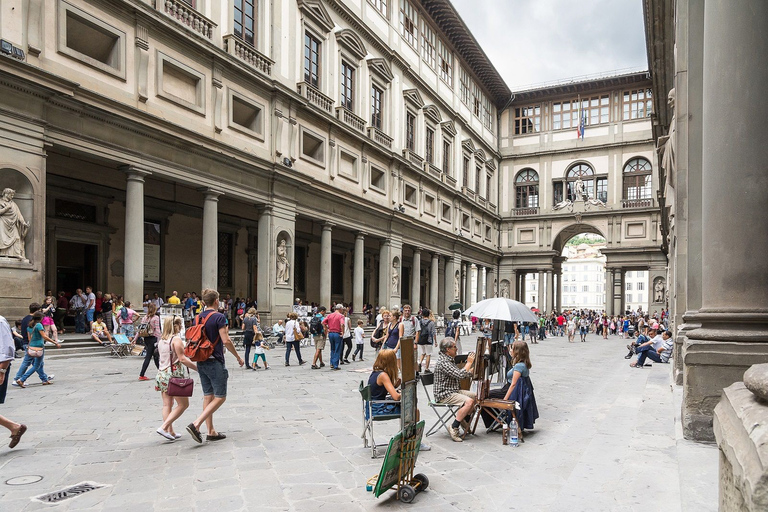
<point x="550" y="292"/>
<point x="210" y="239"/>
<point x="514" y="286"/>
<point x="385" y="266"/>
<point x="467" y="285"/>
<point x="542" y="287"/>
<point x="609" y="291"/>
<point x="325" y="266"/>
<point x="452" y="266"/>
<point x="357" y="273"/>
<point x="416" y="281"/>
<point x="480" y="281"/>
<point x="734" y="307"/>
<point x="263" y="257"/>
<point x="522" y="287"/>
<point x="434" y="278"/>
<point x="559" y="294"/>
<point x="490" y="287"/>
<point x="133" y="282"/>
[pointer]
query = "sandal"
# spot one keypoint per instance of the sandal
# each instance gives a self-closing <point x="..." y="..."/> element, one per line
<point x="15" y="438"/>
<point x="217" y="437"/>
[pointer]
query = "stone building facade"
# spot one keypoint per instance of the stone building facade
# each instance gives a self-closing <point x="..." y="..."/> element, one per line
<point x="327" y="150"/>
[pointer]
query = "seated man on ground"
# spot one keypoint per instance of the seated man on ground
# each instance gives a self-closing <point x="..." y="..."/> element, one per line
<point x="651" y="344"/>
<point x="383" y="381"/>
<point x="279" y="329"/>
<point x="660" y="353"/>
<point x="447" y="377"/>
<point x="642" y="339"/>
<point x="99" y="331"/>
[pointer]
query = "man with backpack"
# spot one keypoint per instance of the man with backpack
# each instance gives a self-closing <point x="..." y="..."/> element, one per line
<point x="427" y="339"/>
<point x="453" y="328"/>
<point x="318" y="335"/>
<point x="210" y="328"/>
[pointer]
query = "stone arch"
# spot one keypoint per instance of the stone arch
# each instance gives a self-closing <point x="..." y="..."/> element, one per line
<point x="25" y="193"/>
<point x="283" y="258"/>
<point x="568" y="232"/>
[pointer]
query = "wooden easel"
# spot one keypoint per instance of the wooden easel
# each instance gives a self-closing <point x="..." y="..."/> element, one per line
<point x="482" y="374"/>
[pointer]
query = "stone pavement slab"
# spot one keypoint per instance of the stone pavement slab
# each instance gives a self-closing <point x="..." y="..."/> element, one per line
<point x="607" y="439"/>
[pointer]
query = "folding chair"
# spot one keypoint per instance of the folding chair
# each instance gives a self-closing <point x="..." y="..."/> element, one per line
<point x="449" y="414"/>
<point x="369" y="419"/>
<point x="121" y="347"/>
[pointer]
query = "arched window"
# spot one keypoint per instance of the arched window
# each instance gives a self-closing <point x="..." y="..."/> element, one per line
<point x="637" y="179"/>
<point x="527" y="189"/>
<point x="595" y="187"/>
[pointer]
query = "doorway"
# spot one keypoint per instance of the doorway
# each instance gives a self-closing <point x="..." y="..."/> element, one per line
<point x="76" y="266"/>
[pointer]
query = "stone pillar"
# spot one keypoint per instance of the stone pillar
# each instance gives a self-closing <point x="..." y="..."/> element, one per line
<point x="609" y="291"/>
<point x="466" y="302"/>
<point x="522" y="287"/>
<point x="734" y="310"/>
<point x="416" y="281"/>
<point x="550" y="292"/>
<point x="358" y="273"/>
<point x="210" y="239"/>
<point x="325" y="266"/>
<point x="434" y="278"/>
<point x="479" y="283"/>
<point x="384" y="268"/>
<point x="559" y="294"/>
<point x="452" y="294"/>
<point x="514" y="286"/>
<point x="540" y="301"/>
<point x="264" y="269"/>
<point x="490" y="286"/>
<point x="133" y="283"/>
<point x="618" y="291"/>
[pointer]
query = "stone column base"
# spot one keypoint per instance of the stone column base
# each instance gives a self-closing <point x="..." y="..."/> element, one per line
<point x="741" y="429"/>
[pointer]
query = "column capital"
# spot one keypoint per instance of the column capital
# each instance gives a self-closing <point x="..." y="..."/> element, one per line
<point x="264" y="209"/>
<point x="210" y="194"/>
<point x="417" y="250"/>
<point x="328" y="226"/>
<point x="135" y="173"/>
<point x="360" y="235"/>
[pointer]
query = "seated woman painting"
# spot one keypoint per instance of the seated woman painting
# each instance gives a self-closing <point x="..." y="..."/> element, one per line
<point x="384" y="380"/>
<point x="518" y="388"/>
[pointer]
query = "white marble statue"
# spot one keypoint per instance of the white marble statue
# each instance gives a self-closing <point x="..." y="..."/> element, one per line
<point x="505" y="289"/>
<point x="666" y="151"/>
<point x="563" y="204"/>
<point x="596" y="202"/>
<point x="283" y="265"/>
<point x="13" y="227"/>
<point x="658" y="291"/>
<point x="395" y="278"/>
<point x="456" y="286"/>
<point x="579" y="190"/>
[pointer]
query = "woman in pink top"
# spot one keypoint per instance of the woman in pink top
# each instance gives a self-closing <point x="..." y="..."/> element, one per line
<point x="171" y="350"/>
<point x="152" y="319"/>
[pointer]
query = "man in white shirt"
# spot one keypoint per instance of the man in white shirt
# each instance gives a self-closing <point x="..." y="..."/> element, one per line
<point x="7" y="353"/>
<point x="90" y="305"/>
<point x="279" y="329"/>
<point x="571" y="329"/>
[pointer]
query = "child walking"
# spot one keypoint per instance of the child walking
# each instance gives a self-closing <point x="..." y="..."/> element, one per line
<point x="359" y="335"/>
<point x="258" y="351"/>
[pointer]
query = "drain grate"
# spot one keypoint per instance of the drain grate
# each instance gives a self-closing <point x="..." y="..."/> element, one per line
<point x="69" y="492"/>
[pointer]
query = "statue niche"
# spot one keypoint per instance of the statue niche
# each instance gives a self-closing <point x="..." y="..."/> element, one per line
<point x="283" y="263"/>
<point x="13" y="228"/>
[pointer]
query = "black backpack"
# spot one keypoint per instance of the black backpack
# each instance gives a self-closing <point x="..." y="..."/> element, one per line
<point x="316" y="325"/>
<point x="450" y="330"/>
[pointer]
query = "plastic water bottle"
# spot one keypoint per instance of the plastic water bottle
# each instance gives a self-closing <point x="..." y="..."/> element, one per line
<point x="513" y="440"/>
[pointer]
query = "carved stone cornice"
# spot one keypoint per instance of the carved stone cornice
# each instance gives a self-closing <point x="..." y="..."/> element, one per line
<point x="315" y="11"/>
<point x="348" y="39"/>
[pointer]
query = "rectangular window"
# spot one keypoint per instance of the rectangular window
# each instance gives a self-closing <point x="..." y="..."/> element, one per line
<point x="465" y="172"/>
<point x="602" y="189"/>
<point x="629" y="287"/>
<point x="478" y="172"/>
<point x="565" y="115"/>
<point x="380" y="5"/>
<point x="640" y="287"/>
<point x="629" y="274"/>
<point x="446" y="157"/>
<point x="427" y="44"/>
<point x="376" y="101"/>
<point x="446" y="63"/>
<point x="378" y="178"/>
<point x="311" y="60"/>
<point x="527" y="120"/>
<point x="410" y="131"/>
<point x="585" y="288"/>
<point x="629" y="299"/>
<point x="430" y="145"/>
<point x="487" y="113"/>
<point x="596" y="109"/>
<point x="488" y="186"/>
<point x="465" y="86"/>
<point x="408" y="23"/>
<point x="347" y="86"/>
<point x="557" y="192"/>
<point x="477" y="101"/>
<point x="637" y="104"/>
<point x="245" y="16"/>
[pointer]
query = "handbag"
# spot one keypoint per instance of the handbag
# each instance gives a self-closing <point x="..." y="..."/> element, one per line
<point x="144" y="328"/>
<point x="35" y="352"/>
<point x="297" y="335"/>
<point x="180" y="386"/>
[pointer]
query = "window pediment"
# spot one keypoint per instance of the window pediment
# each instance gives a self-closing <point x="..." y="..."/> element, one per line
<point x="480" y="155"/>
<point x="432" y="113"/>
<point x="381" y="68"/>
<point x="449" y="128"/>
<point x="414" y="97"/>
<point x="490" y="164"/>
<point x="352" y="42"/>
<point x="314" y="10"/>
<point x="468" y="145"/>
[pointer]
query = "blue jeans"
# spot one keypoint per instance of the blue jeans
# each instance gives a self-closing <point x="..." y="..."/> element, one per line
<point x="80" y="323"/>
<point x="509" y="337"/>
<point x="335" y="339"/>
<point x="37" y="366"/>
<point x="26" y="363"/>
<point x="647" y="352"/>
<point x="292" y="345"/>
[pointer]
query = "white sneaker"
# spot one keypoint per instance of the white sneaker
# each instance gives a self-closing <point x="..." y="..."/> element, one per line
<point x="165" y="434"/>
<point x="50" y="377"/>
<point x="424" y="447"/>
<point x="455" y="435"/>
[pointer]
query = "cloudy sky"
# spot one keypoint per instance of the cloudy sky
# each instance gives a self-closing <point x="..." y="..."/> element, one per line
<point x="535" y="41"/>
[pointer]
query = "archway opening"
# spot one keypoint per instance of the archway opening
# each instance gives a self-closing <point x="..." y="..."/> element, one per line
<point x="583" y="272"/>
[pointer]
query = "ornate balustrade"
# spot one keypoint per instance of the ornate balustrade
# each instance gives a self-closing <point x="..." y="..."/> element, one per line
<point x="346" y="116"/>
<point x="247" y="53"/>
<point x="315" y="97"/>
<point x="379" y="136"/>
<point x="413" y="158"/>
<point x="518" y="212"/>
<point x="183" y="13"/>
<point x="636" y="203"/>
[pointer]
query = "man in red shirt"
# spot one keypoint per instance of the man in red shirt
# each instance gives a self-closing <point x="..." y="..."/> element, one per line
<point x="560" y="324"/>
<point x="333" y="325"/>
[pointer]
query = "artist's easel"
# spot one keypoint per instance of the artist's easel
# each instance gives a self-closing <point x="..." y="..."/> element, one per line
<point x="400" y="460"/>
<point x="483" y="374"/>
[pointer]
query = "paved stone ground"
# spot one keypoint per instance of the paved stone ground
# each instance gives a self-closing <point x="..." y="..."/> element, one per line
<point x="607" y="440"/>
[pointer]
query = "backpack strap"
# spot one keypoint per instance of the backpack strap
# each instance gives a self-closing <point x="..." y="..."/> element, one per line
<point x="205" y="319"/>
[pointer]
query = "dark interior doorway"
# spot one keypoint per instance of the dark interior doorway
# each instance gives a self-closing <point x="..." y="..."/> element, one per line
<point x="76" y="266"/>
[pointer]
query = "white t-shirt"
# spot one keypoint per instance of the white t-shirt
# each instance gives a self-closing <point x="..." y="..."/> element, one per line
<point x="359" y="333"/>
<point x="658" y="342"/>
<point x="289" y="330"/>
<point x="571" y="325"/>
<point x="91" y="302"/>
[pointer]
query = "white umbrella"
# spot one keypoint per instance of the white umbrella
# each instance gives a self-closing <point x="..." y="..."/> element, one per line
<point x="499" y="308"/>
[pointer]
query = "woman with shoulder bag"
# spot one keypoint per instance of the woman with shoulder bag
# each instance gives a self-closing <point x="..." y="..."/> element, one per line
<point x="380" y="334"/>
<point x="346" y="337"/>
<point x="36" y="350"/>
<point x="171" y="350"/>
<point x="149" y="330"/>
<point x="293" y="336"/>
<point x="250" y="327"/>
